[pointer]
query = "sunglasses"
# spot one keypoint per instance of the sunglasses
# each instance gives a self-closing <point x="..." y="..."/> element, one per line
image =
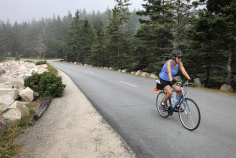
<point x="179" y="57"/>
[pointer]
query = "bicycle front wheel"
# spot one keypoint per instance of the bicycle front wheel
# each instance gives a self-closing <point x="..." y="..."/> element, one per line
<point x="189" y="114"/>
<point x="163" y="112"/>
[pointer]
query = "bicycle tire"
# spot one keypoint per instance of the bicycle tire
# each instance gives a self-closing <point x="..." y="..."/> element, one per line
<point x="191" y="116"/>
<point x="163" y="112"/>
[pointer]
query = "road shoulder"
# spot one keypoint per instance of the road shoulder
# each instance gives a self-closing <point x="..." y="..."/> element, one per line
<point x="71" y="127"/>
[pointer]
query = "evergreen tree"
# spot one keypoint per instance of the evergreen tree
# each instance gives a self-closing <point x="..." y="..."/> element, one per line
<point x="5" y="39"/>
<point x="87" y="39"/>
<point x="39" y="46"/>
<point x="73" y="38"/>
<point x="156" y="35"/>
<point x="117" y="46"/>
<point x="183" y="12"/>
<point x="218" y="23"/>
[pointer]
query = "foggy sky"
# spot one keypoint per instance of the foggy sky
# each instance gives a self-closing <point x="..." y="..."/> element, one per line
<point x="26" y="10"/>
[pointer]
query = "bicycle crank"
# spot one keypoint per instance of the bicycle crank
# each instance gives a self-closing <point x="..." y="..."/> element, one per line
<point x="170" y="111"/>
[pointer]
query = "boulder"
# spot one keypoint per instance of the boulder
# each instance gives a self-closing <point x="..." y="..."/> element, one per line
<point x="138" y="73"/>
<point x="34" y="70"/>
<point x="27" y="94"/>
<point x="153" y="76"/>
<point x="3" y="107"/>
<point x="6" y="99"/>
<point x="197" y="82"/>
<point x="21" y="107"/>
<point x="124" y="71"/>
<point x="12" y="115"/>
<point x="3" y="79"/>
<point x="9" y="91"/>
<point x="16" y="82"/>
<point x="178" y="78"/>
<point x="227" y="88"/>
<point x="145" y="74"/>
<point x="2" y="72"/>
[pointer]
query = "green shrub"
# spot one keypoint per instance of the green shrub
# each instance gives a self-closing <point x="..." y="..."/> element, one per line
<point x="41" y="62"/>
<point x="17" y="56"/>
<point x="46" y="84"/>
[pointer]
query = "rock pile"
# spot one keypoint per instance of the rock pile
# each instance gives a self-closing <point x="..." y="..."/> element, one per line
<point x="13" y="95"/>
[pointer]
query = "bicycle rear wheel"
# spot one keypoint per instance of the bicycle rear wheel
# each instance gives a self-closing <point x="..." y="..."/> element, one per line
<point x="163" y="112"/>
<point x="190" y="116"/>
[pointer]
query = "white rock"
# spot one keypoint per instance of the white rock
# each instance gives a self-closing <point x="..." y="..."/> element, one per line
<point x="3" y="107"/>
<point x="153" y="76"/>
<point x="27" y="94"/>
<point x="138" y="73"/>
<point x="34" y="70"/>
<point x="124" y="71"/>
<point x="12" y="115"/>
<point x="6" y="99"/>
<point x="227" y="88"/>
<point x="197" y="81"/>
<point x="178" y="78"/>
<point x="145" y="74"/>
<point x="23" y="109"/>
<point x="9" y="91"/>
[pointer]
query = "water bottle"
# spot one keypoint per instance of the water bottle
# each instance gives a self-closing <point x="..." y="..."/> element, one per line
<point x="176" y="100"/>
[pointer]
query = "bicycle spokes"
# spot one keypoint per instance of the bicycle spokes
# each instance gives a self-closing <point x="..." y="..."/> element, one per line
<point x="190" y="118"/>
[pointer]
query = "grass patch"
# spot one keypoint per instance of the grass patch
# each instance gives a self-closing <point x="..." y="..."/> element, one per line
<point x="8" y="146"/>
<point x="52" y="69"/>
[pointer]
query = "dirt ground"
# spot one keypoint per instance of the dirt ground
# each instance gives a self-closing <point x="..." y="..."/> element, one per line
<point x="72" y="128"/>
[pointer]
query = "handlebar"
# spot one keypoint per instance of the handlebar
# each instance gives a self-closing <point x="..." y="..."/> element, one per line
<point x="183" y="83"/>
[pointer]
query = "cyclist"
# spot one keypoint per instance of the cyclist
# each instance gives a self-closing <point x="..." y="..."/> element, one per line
<point x="168" y="71"/>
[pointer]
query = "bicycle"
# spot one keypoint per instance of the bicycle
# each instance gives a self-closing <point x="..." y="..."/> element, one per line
<point x="189" y="113"/>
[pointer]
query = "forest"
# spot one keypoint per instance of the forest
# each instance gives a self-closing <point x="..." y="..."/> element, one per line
<point x="204" y="30"/>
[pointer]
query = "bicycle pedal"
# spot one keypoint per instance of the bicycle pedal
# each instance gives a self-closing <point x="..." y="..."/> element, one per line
<point x="170" y="111"/>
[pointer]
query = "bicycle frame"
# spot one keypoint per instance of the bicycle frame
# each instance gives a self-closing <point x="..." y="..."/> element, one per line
<point x="180" y="99"/>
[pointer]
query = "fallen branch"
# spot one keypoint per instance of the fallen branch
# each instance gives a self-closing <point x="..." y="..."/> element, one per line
<point x="41" y="109"/>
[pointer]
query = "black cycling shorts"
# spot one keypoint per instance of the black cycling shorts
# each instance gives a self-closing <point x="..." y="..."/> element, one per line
<point x="165" y="83"/>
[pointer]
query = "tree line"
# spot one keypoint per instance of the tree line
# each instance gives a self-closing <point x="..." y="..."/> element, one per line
<point x="136" y="40"/>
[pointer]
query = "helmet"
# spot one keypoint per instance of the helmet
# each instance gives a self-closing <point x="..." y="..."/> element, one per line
<point x="177" y="53"/>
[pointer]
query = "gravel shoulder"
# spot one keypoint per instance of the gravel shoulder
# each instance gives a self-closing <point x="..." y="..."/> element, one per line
<point x="72" y="128"/>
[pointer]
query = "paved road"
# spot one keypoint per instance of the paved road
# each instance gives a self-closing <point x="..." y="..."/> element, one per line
<point x="127" y="102"/>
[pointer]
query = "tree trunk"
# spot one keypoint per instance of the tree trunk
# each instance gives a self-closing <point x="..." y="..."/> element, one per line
<point x="41" y="109"/>
<point x="230" y="74"/>
<point x="207" y="76"/>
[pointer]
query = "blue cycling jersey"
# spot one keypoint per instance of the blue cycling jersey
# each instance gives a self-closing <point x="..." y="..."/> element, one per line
<point x="164" y="75"/>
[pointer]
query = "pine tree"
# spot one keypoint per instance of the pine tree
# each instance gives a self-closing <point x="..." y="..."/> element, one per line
<point x="5" y="39"/>
<point x="218" y="23"/>
<point x="73" y="38"/>
<point x="87" y="39"/>
<point x="155" y="34"/>
<point x="117" y="46"/>
<point x="183" y="12"/>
